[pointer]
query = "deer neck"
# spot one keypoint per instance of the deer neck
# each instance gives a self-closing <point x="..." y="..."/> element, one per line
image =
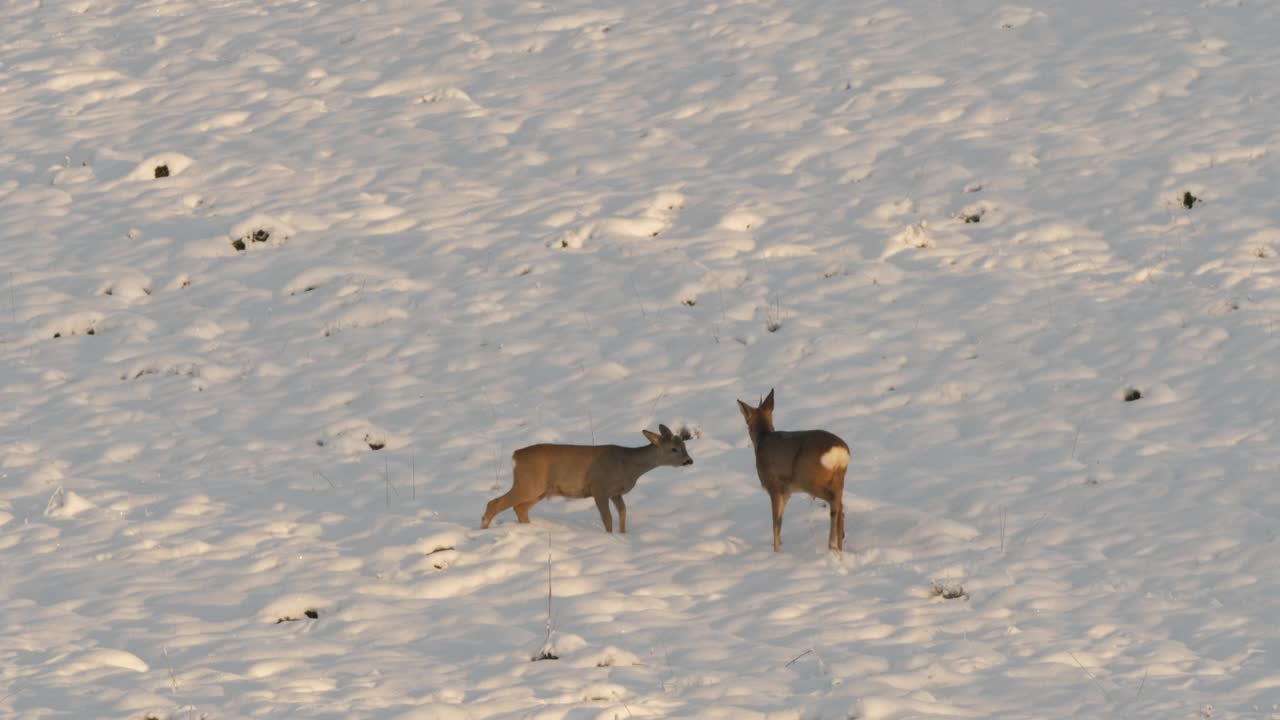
<point x="758" y="430"/>
<point x="642" y="459"/>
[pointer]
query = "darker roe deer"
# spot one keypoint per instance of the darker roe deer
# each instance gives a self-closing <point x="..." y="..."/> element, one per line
<point x="810" y="460"/>
<point x="603" y="472"/>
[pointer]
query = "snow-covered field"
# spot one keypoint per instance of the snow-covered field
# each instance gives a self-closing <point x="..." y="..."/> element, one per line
<point x="957" y="234"/>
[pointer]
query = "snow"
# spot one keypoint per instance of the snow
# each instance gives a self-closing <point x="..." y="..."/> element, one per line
<point x="957" y="235"/>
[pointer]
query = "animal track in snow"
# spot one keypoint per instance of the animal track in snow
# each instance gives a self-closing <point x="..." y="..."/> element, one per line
<point x="128" y="287"/>
<point x="169" y="369"/>
<point x="364" y="316"/>
<point x="259" y="230"/>
<point x="65" y="503"/>
<point x="649" y="219"/>
<point x="948" y="591"/>
<point x="292" y="607"/>
<point x="452" y="99"/>
<point x="916" y="235"/>
<point x="161" y="166"/>
<point x="1011" y="17"/>
<point x="369" y="279"/>
<point x="82" y="323"/>
<point x="742" y="221"/>
<point x="357" y="436"/>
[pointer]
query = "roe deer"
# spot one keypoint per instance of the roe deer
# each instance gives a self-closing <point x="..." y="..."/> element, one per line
<point x="810" y="460"/>
<point x="603" y="472"/>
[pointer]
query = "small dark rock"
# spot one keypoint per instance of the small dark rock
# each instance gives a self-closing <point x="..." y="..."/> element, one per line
<point x="1189" y="200"/>
<point x="1132" y="394"/>
<point x="289" y="618"/>
<point x="238" y="244"/>
<point x="162" y="171"/>
<point x="261" y="235"/>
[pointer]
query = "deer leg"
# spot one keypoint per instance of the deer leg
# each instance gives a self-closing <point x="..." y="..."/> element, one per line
<point x="602" y="504"/>
<point x="779" y="502"/>
<point x="841" y="525"/>
<point x="522" y="510"/>
<point x="496" y="506"/>
<point x="835" y="536"/>
<point x="622" y="513"/>
<point x="837" y="491"/>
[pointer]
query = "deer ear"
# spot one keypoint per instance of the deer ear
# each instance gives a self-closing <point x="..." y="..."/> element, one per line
<point x="666" y="431"/>
<point x="767" y="405"/>
<point x="653" y="437"/>
<point x="745" y="409"/>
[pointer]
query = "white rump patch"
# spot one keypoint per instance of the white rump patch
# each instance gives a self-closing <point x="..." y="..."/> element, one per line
<point x="835" y="458"/>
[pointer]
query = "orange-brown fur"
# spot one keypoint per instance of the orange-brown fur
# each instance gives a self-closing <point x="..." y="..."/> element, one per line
<point x="604" y="472"/>
<point x="790" y="461"/>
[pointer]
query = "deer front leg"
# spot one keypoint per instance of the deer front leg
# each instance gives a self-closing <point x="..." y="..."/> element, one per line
<point x="622" y="513"/>
<point x="779" y="502"/>
<point x="496" y="506"/>
<point x="602" y="504"/>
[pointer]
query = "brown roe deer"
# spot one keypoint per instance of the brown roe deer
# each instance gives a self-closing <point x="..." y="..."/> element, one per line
<point x="813" y="461"/>
<point x="603" y="472"/>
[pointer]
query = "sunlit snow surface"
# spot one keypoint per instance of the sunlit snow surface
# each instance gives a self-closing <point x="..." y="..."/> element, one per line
<point x="955" y="234"/>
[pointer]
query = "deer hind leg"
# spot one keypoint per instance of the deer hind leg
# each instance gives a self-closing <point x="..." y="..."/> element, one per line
<point x="622" y="513"/>
<point x="522" y="510"/>
<point x="835" y="538"/>
<point x="778" y="501"/>
<point x="837" y="510"/>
